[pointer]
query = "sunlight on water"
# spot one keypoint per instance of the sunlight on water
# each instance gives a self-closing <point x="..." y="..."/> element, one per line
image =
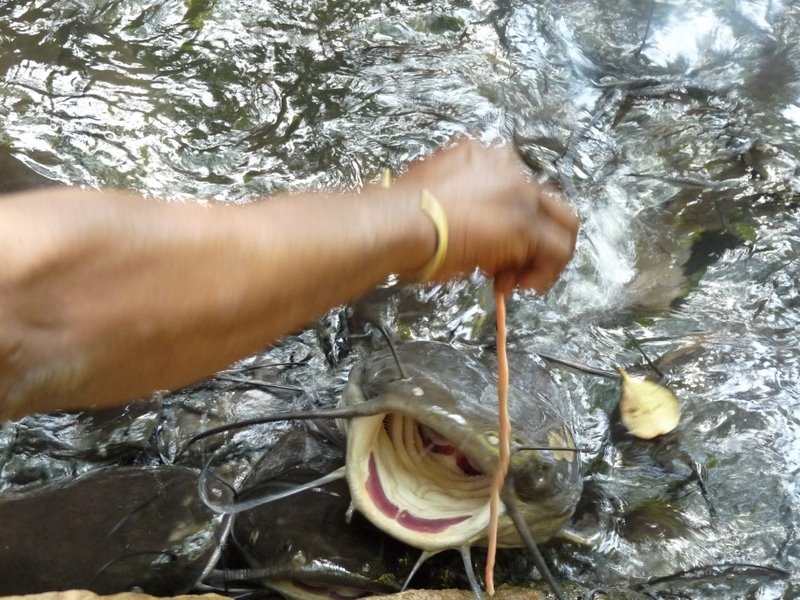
<point x="689" y="36"/>
<point x="674" y="135"/>
<point x="605" y="260"/>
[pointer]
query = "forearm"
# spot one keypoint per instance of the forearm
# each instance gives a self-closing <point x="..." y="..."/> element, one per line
<point x="106" y="297"/>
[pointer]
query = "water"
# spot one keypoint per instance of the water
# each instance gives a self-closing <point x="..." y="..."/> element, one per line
<point x="672" y="127"/>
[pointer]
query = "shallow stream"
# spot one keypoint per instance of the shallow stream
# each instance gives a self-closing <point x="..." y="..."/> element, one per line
<point x="673" y="128"/>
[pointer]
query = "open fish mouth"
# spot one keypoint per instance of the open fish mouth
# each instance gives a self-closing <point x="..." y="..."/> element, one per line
<point x="420" y="466"/>
<point x="414" y="484"/>
<point x="419" y="471"/>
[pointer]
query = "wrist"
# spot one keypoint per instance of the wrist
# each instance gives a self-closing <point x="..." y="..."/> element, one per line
<point x="418" y="225"/>
<point x="431" y="207"/>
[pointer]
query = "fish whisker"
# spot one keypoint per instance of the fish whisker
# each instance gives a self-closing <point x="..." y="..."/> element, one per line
<point x="555" y="449"/>
<point x="579" y="366"/>
<point x="257" y="383"/>
<point x="424" y="555"/>
<point x="142" y="506"/>
<point x="244" y="505"/>
<point x="524" y="533"/>
<point x="466" y="559"/>
<point x="715" y="571"/>
<point x="348" y="412"/>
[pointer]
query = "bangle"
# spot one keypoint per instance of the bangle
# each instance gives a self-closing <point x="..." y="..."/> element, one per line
<point x="431" y="207"/>
<point x="386" y="178"/>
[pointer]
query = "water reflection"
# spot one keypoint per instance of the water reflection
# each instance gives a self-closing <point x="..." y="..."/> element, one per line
<point x="673" y="127"/>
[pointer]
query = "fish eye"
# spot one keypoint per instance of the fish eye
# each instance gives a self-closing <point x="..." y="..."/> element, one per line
<point x="535" y="478"/>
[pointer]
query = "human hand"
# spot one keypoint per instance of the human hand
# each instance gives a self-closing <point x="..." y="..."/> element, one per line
<point x="517" y="231"/>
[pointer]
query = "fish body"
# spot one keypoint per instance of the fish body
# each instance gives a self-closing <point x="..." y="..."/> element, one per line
<point x="304" y="545"/>
<point x="110" y="530"/>
<point x="420" y="469"/>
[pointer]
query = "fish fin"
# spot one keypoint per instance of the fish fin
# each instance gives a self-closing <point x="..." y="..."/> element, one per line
<point x="573" y="537"/>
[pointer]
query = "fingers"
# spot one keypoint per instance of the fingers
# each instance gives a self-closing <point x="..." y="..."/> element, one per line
<point x="543" y="271"/>
<point x="554" y="250"/>
<point x="505" y="282"/>
<point x="555" y="233"/>
<point x="552" y="205"/>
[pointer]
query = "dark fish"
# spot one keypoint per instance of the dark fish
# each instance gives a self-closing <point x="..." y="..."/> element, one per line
<point x="15" y="176"/>
<point x="303" y="546"/>
<point x="422" y="446"/>
<point x="420" y="469"/>
<point x="108" y="531"/>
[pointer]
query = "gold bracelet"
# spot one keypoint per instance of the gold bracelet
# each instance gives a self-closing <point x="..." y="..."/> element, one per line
<point x="431" y="207"/>
<point x="386" y="178"/>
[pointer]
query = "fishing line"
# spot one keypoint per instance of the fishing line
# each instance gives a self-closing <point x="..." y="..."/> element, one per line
<point x="504" y="437"/>
<point x="500" y="483"/>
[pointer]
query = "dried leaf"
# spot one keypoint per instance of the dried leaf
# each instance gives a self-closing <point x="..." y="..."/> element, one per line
<point x="647" y="408"/>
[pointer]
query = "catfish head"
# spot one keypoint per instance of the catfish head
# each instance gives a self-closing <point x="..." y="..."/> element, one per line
<point x="420" y="467"/>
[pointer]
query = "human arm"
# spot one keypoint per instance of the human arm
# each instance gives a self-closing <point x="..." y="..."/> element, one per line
<point x="105" y="296"/>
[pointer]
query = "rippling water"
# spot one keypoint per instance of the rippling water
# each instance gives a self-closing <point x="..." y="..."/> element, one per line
<point x="671" y="126"/>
